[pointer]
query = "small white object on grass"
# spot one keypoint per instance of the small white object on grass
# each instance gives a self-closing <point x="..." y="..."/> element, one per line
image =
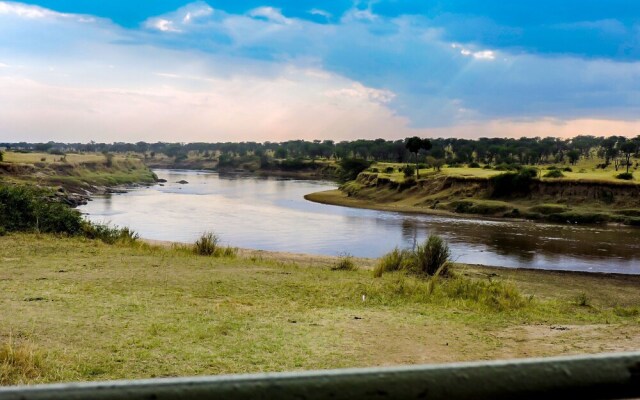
<point x="363" y="297"/>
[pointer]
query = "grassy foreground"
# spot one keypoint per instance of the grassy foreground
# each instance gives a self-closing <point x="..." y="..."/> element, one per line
<point x="76" y="309"/>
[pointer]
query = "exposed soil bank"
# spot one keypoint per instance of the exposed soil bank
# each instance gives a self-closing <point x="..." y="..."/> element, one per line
<point x="560" y="201"/>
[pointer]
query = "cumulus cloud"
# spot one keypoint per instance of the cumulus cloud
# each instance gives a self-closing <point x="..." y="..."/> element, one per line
<point x="261" y="75"/>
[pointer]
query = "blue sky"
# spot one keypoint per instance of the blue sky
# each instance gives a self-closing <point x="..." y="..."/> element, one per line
<point x="276" y="70"/>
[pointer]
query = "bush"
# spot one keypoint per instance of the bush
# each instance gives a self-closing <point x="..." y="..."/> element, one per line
<point x="351" y="167"/>
<point x="1" y="156"/>
<point x="409" y="171"/>
<point x="627" y="176"/>
<point x="554" y="173"/>
<point x="474" y="165"/>
<point x="429" y="259"/>
<point x="552" y="168"/>
<point x="345" y="263"/>
<point x="374" y="170"/>
<point x="207" y="244"/>
<point x="567" y="169"/>
<point x="511" y="183"/>
<point x="389" y="170"/>
<point x="32" y="210"/>
<point x="432" y="257"/>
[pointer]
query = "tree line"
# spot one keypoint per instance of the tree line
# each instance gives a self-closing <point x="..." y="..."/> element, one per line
<point x="616" y="150"/>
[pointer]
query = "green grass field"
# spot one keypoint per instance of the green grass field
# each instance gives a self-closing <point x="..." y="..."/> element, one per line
<point x="585" y="169"/>
<point x="75" y="309"/>
<point x="74" y="171"/>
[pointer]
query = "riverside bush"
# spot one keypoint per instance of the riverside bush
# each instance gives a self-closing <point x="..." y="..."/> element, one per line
<point x="554" y="173"/>
<point x="209" y="245"/>
<point x="345" y="263"/>
<point x="430" y="259"/>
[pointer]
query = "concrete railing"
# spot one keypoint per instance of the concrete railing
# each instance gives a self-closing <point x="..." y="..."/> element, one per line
<point x="606" y="376"/>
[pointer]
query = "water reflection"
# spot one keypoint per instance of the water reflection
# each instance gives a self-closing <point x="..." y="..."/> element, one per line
<point x="271" y="214"/>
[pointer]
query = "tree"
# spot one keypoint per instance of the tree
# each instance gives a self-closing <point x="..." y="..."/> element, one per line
<point x="1" y="156"/>
<point x="574" y="156"/>
<point x="628" y="148"/>
<point x="414" y="145"/>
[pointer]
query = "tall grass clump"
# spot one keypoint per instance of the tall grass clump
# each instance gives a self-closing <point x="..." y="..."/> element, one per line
<point x="345" y="263"/>
<point x="209" y="245"/>
<point x="395" y="260"/>
<point x="20" y="363"/>
<point x="430" y="258"/>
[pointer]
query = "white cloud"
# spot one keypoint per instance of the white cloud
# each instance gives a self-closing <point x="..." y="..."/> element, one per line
<point x="479" y="55"/>
<point x="270" y="14"/>
<point x="322" y="13"/>
<point x="25" y="11"/>
<point x="161" y="24"/>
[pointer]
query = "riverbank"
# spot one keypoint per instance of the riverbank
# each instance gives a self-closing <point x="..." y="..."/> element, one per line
<point x="510" y="195"/>
<point x="159" y="311"/>
<point x="75" y="177"/>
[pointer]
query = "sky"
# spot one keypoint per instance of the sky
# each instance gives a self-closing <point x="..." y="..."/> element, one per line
<point x="275" y="70"/>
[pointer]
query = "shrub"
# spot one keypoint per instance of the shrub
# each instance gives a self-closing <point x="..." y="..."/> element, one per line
<point x="389" y="170"/>
<point x="345" y="263"/>
<point x="487" y="167"/>
<point x="376" y="170"/>
<point x="552" y="168"/>
<point x="554" y="173"/>
<point x="512" y="183"/>
<point x="29" y="209"/>
<point x="207" y="244"/>
<point x="429" y="259"/>
<point x="432" y="257"/>
<point x="1" y="156"/>
<point x="567" y="169"/>
<point x="583" y="300"/>
<point x="351" y="167"/>
<point x="409" y="171"/>
<point x="474" y="165"/>
<point x="627" y="176"/>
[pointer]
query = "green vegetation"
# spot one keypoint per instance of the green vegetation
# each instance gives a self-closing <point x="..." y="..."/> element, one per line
<point x="165" y="311"/>
<point x="430" y="258"/>
<point x="625" y="176"/>
<point x="209" y="245"/>
<point x="554" y="173"/>
<point x="75" y="172"/>
<point x="345" y="262"/>
<point x="30" y="209"/>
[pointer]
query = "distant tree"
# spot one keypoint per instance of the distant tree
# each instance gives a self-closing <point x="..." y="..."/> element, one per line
<point x="280" y="152"/>
<point x="628" y="148"/>
<point x="414" y="145"/>
<point x="574" y="156"/>
<point x="1" y="156"/>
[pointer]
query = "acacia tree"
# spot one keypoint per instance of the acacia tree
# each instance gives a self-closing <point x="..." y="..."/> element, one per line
<point x="628" y="148"/>
<point x="414" y="145"/>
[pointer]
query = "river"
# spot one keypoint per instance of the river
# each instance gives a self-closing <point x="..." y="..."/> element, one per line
<point x="271" y="214"/>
